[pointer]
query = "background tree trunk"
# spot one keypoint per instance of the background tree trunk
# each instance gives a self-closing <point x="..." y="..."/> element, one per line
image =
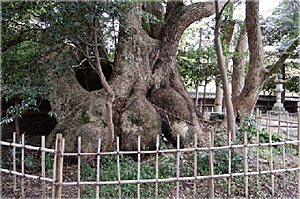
<point x="218" y="99"/>
<point x="223" y="70"/>
<point x="244" y="105"/>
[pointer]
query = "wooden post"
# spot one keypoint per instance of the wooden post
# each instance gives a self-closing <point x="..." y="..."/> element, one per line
<point x="271" y="164"/>
<point x="98" y="168"/>
<point x="59" y="166"/>
<point x="43" y="166"/>
<point x="178" y="163"/>
<point x="195" y="164"/>
<point x="139" y="168"/>
<point x="78" y="167"/>
<point x="118" y="167"/>
<point x="257" y="157"/>
<point x="246" y="164"/>
<point x="229" y="163"/>
<point x="156" y="167"/>
<point x="14" y="162"/>
<point x="23" y="164"/>
<point x="211" y="166"/>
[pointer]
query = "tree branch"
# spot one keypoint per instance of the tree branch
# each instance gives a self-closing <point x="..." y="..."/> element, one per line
<point x="110" y="93"/>
<point x="284" y="56"/>
<point x="220" y="13"/>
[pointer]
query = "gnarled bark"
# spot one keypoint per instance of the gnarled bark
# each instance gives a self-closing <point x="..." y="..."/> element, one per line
<point x="150" y="97"/>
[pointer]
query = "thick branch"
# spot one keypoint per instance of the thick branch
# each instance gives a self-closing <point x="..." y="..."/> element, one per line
<point x="284" y="56"/>
<point x="179" y="17"/>
<point x="238" y="74"/>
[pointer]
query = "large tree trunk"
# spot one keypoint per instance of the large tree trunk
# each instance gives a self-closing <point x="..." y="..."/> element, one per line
<point x="150" y="97"/>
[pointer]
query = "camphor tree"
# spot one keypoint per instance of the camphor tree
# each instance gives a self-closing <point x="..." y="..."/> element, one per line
<point x="144" y="93"/>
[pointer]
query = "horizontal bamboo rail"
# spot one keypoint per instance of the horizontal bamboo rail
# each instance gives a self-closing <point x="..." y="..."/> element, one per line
<point x="116" y="182"/>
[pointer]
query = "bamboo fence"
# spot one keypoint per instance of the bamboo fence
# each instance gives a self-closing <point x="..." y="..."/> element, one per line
<point x="286" y="130"/>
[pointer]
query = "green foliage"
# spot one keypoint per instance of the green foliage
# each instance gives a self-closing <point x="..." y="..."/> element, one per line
<point x="49" y="160"/>
<point x="198" y="66"/>
<point x="128" y="171"/>
<point x="293" y="84"/>
<point x="249" y="126"/>
<point x="282" y="25"/>
<point x="22" y="79"/>
<point x="221" y="158"/>
<point x="32" y="30"/>
<point x="216" y="116"/>
<point x="279" y="31"/>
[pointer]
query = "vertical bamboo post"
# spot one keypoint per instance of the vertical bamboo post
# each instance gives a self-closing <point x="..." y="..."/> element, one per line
<point x="43" y="165"/>
<point x="211" y="166"/>
<point x="195" y="164"/>
<point x="178" y="163"/>
<point x="54" y="167"/>
<point x="98" y="168"/>
<point x="257" y="157"/>
<point x="246" y="164"/>
<point x="269" y="122"/>
<point x="229" y="163"/>
<point x="23" y="164"/>
<point x="139" y="167"/>
<point x="283" y="150"/>
<point x="257" y="118"/>
<point x="118" y="167"/>
<point x="271" y="163"/>
<point x="298" y="155"/>
<point x="156" y="166"/>
<point x="14" y="162"/>
<point x="59" y="165"/>
<point x="78" y="167"/>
